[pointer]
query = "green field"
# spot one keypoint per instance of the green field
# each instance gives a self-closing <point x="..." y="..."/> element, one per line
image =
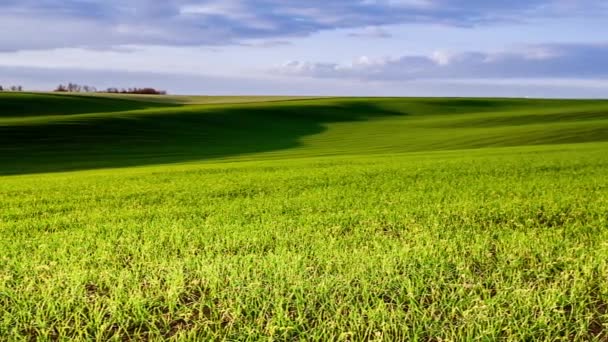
<point x="345" y="219"/>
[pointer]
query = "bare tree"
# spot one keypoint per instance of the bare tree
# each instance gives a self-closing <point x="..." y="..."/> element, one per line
<point x="77" y="88"/>
<point x="74" y="88"/>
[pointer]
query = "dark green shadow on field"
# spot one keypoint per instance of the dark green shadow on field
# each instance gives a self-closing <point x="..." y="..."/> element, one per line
<point x="169" y="135"/>
<point x="20" y="105"/>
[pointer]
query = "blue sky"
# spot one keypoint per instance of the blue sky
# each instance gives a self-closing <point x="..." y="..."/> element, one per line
<point x="539" y="48"/>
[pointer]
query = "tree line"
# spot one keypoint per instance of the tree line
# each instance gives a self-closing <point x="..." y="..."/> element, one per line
<point x="11" y="88"/>
<point x="77" y="88"/>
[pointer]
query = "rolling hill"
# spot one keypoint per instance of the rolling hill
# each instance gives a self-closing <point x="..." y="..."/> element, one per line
<point x="46" y="133"/>
<point x="332" y="219"/>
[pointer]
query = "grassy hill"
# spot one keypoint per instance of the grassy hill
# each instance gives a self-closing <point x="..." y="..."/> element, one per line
<point x="43" y="133"/>
<point x="341" y="219"/>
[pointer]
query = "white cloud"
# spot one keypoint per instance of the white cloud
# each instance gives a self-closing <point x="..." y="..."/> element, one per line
<point x="424" y="4"/>
<point x="539" y="61"/>
<point x="45" y="79"/>
<point x="72" y="23"/>
<point x="371" y="32"/>
<point x="441" y="57"/>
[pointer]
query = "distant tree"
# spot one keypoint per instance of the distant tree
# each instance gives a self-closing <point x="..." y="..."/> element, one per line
<point x="1" y="88"/>
<point x="74" y="88"/>
<point x="19" y="88"/>
<point x="135" y="90"/>
<point x="150" y="91"/>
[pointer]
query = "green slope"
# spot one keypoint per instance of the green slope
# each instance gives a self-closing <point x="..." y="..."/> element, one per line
<point x="20" y="105"/>
<point x="196" y="99"/>
<point x="342" y="219"/>
<point x="44" y="133"/>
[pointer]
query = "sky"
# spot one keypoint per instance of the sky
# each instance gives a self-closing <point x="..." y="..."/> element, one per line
<point x="521" y="48"/>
